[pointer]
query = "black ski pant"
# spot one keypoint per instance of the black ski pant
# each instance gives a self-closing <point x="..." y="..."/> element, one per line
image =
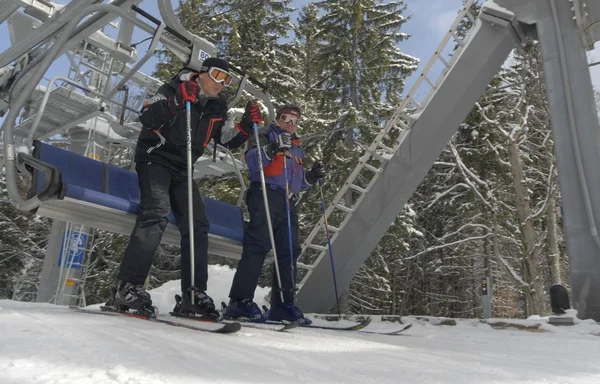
<point x="257" y="244"/>
<point x="163" y="190"/>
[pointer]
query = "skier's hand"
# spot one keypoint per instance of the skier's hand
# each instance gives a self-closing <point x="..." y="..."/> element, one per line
<point x="187" y="91"/>
<point x="317" y="173"/>
<point x="251" y="116"/>
<point x="282" y="143"/>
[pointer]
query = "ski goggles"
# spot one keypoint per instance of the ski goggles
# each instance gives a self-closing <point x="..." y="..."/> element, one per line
<point x="290" y="119"/>
<point x="220" y="76"/>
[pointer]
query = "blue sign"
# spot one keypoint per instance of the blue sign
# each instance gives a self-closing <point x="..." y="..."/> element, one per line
<point x="76" y="249"/>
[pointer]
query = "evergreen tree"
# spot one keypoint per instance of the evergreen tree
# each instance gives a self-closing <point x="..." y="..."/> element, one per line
<point x="23" y="241"/>
<point x="363" y="68"/>
<point x="359" y="76"/>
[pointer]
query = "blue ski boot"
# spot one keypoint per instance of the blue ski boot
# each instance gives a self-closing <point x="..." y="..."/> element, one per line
<point x="288" y="313"/>
<point x="244" y="310"/>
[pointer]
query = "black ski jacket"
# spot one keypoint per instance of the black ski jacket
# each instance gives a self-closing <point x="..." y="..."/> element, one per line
<point x="163" y="138"/>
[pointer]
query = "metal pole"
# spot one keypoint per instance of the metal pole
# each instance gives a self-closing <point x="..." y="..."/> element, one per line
<point x="289" y="223"/>
<point x="337" y="300"/>
<point x="267" y="211"/>
<point x="190" y="181"/>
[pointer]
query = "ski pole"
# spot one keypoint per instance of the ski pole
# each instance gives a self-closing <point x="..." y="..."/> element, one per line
<point x="190" y="180"/>
<point x="337" y="302"/>
<point x="267" y="211"/>
<point x="289" y="223"/>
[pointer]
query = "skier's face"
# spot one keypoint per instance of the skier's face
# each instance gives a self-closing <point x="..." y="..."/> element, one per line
<point x="209" y="87"/>
<point x="289" y="128"/>
<point x="288" y="123"/>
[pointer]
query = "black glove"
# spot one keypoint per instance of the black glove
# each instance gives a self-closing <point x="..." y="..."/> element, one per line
<point x="251" y="115"/>
<point x="283" y="143"/>
<point x="316" y="173"/>
<point x="187" y="91"/>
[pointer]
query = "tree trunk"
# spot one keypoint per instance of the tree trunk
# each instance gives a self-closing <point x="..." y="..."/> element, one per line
<point x="487" y="267"/>
<point x="553" y="250"/>
<point x="531" y="256"/>
<point x="344" y="302"/>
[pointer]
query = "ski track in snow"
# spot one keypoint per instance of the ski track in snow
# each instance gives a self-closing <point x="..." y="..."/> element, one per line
<point x="46" y="344"/>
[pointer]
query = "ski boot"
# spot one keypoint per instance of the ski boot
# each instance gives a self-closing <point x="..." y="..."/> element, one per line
<point x="195" y="304"/>
<point x="287" y="313"/>
<point x="244" y="310"/>
<point x="130" y="296"/>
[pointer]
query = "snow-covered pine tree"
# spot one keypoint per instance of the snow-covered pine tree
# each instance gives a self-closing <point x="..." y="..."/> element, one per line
<point x="255" y="36"/>
<point x="354" y="73"/>
<point x="490" y="199"/>
<point x="363" y="69"/>
<point x="23" y="241"/>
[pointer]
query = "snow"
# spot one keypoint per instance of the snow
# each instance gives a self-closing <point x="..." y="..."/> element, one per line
<point x="48" y="344"/>
<point x="490" y="4"/>
<point x="101" y="126"/>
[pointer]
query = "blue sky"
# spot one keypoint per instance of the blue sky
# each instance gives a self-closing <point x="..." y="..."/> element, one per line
<point x="430" y="20"/>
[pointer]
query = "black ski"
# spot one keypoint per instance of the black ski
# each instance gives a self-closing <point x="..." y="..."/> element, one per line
<point x="271" y="325"/>
<point x="248" y="324"/>
<point x="390" y="333"/>
<point x="354" y="327"/>
<point x="268" y="326"/>
<point x="224" y="327"/>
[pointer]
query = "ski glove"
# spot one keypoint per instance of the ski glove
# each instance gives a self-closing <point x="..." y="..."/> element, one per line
<point x="316" y="173"/>
<point x="251" y="115"/>
<point x="283" y="143"/>
<point x="187" y="91"/>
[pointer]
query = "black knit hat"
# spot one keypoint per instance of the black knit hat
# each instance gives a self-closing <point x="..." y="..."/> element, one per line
<point x="214" y="62"/>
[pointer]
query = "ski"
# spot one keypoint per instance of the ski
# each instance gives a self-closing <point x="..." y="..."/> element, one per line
<point x="354" y="327"/>
<point x="266" y="325"/>
<point x="295" y="324"/>
<point x="248" y="324"/>
<point x="271" y="325"/>
<point x="225" y="328"/>
<point x="195" y="318"/>
<point x="389" y="333"/>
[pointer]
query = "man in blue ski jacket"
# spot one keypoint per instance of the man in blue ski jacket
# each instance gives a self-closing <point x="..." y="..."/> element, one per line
<point x="278" y="143"/>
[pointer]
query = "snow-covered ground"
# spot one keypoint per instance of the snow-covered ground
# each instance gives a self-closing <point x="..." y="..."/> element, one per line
<point x="43" y="343"/>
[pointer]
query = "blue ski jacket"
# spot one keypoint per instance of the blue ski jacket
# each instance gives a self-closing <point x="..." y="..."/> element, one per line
<point x="273" y="168"/>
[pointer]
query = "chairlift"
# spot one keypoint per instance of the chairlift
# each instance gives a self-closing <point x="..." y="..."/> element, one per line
<point x="75" y="188"/>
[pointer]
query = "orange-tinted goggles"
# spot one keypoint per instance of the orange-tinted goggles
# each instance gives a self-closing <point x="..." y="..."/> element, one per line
<point x="220" y="76"/>
<point x="290" y="119"/>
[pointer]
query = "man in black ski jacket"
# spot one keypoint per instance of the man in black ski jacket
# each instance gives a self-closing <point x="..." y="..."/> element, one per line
<point x="161" y="165"/>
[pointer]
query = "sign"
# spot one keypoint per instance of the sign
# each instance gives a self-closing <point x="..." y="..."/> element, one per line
<point x="202" y="56"/>
<point x="76" y="249"/>
<point x="94" y="156"/>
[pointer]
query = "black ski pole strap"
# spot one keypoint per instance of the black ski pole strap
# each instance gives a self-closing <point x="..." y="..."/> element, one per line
<point x="215" y="151"/>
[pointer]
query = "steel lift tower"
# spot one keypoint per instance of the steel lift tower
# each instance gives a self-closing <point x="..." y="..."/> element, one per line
<point x="565" y="30"/>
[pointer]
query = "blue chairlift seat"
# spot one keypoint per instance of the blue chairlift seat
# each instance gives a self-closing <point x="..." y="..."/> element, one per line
<point x="89" y="192"/>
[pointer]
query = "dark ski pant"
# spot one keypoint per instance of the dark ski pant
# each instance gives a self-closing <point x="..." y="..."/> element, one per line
<point x="257" y="244"/>
<point x="163" y="190"/>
